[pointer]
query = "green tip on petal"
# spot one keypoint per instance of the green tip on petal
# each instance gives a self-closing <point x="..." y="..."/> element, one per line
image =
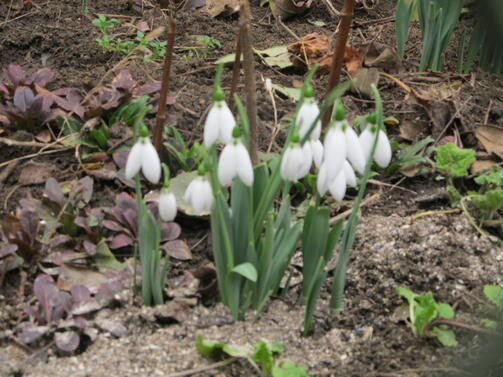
<point x="309" y="92"/>
<point x="143" y="131"/>
<point x="372" y="118"/>
<point x="201" y="170"/>
<point x="165" y="168"/>
<point x="340" y="112"/>
<point x="218" y="94"/>
<point x="236" y="132"/>
<point x="295" y="137"/>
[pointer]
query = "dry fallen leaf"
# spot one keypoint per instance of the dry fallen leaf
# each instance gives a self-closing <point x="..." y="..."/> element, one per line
<point x="411" y="129"/>
<point x="35" y="173"/>
<point x="481" y="166"/>
<point x="215" y="8"/>
<point x="381" y="56"/>
<point x="365" y="78"/>
<point x="491" y="137"/>
<point x="289" y="8"/>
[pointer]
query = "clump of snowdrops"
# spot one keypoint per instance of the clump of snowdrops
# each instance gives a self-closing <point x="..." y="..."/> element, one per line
<point x="254" y="239"/>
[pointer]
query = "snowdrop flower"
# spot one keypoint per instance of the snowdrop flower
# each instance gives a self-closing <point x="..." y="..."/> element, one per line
<point x="219" y="122"/>
<point x="322" y="181"/>
<point x="235" y="162"/>
<point x="350" y="175"/>
<point x="382" y="154"/>
<point x="307" y="114"/>
<point x="199" y="195"/>
<point x="338" y="186"/>
<point x="296" y="161"/>
<point x="144" y="156"/>
<point x="317" y="149"/>
<point x="167" y="205"/>
<point x="334" y="151"/>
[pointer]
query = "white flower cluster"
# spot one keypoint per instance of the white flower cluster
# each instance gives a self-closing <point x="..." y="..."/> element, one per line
<point x="342" y="152"/>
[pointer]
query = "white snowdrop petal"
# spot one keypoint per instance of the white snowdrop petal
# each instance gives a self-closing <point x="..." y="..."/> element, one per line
<point x="382" y="154"/>
<point x="211" y="126"/>
<point x="291" y="163"/>
<point x="334" y="152"/>
<point x="227" y="165"/>
<point x="207" y="194"/>
<point x="151" y="164"/>
<point x="349" y="173"/>
<point x="354" y="151"/>
<point x="317" y="148"/>
<point x="306" y="161"/>
<point x="366" y="140"/>
<point x="191" y="189"/>
<point x="307" y="114"/>
<point x="134" y="160"/>
<point x="337" y="187"/>
<point x="321" y="182"/>
<point x="244" y="164"/>
<point x="227" y="122"/>
<point x="167" y="205"/>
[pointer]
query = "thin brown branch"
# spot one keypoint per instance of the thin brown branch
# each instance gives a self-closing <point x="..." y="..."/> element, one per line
<point x="161" y="106"/>
<point x="236" y="69"/>
<point x="448" y="322"/>
<point x="249" y="69"/>
<point x="340" y="47"/>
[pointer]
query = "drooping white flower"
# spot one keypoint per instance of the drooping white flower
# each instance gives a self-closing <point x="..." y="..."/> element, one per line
<point x="337" y="187"/>
<point x="382" y="154"/>
<point x="199" y="195"/>
<point x="305" y="117"/>
<point x="167" y="205"/>
<point x="322" y="181"/>
<point x="144" y="156"/>
<point x="354" y="150"/>
<point x="349" y="173"/>
<point x="235" y="162"/>
<point x="334" y="151"/>
<point x="296" y="161"/>
<point x="219" y="124"/>
<point x="317" y="148"/>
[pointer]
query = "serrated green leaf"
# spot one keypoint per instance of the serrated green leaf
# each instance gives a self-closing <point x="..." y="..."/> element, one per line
<point x="237" y="351"/>
<point x="489" y="323"/>
<point x="445" y="336"/>
<point x="495" y="294"/>
<point x="208" y="347"/>
<point x="247" y="270"/>
<point x="489" y="202"/>
<point x="263" y="354"/>
<point x="453" y="161"/>
<point x="493" y="177"/>
<point x="445" y="311"/>
<point x="407" y="293"/>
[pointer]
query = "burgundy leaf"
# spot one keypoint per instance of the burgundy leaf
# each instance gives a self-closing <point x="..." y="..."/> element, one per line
<point x="73" y="323"/>
<point x="31" y="332"/>
<point x="123" y="80"/>
<point x="67" y="341"/>
<point x="45" y="290"/>
<point x="107" y="291"/>
<point x="53" y="191"/>
<point x="177" y="249"/>
<point x="117" y="329"/>
<point x="15" y="74"/>
<point x="7" y="250"/>
<point x="86" y="307"/>
<point x="125" y="201"/>
<point x="87" y="183"/>
<point x="89" y="247"/>
<point x="147" y="89"/>
<point x="131" y="217"/>
<point x="29" y="223"/>
<point x="112" y="225"/>
<point x="82" y="223"/>
<point x="121" y="240"/>
<point x="42" y="76"/>
<point x="80" y="293"/>
<point x="62" y="304"/>
<point x="59" y="240"/>
<point x="120" y="158"/>
<point x="23" y="98"/>
<point x="170" y="231"/>
<point x="4" y="89"/>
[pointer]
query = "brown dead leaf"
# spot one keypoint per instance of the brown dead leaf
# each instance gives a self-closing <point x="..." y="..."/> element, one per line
<point x="143" y="26"/>
<point x="353" y="60"/>
<point x="35" y="173"/>
<point x="411" y="129"/>
<point x="491" y="137"/>
<point x="70" y="276"/>
<point x="43" y="136"/>
<point x="365" y="78"/>
<point x="215" y="8"/>
<point x="481" y="166"/>
<point x="289" y="8"/>
<point x="381" y="56"/>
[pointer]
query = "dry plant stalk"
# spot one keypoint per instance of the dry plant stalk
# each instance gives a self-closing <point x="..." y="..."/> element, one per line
<point x="340" y="47"/>
<point x="161" y="106"/>
<point x="236" y="70"/>
<point x="249" y="69"/>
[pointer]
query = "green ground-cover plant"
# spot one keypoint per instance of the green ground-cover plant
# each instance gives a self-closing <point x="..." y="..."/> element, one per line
<point x="183" y="155"/>
<point x="423" y="310"/>
<point x="264" y="357"/>
<point x="494" y="293"/>
<point x="487" y="201"/>
<point x="156" y="49"/>
<point x="411" y="156"/>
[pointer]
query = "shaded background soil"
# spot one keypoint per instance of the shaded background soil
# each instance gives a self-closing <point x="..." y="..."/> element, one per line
<point x="441" y="253"/>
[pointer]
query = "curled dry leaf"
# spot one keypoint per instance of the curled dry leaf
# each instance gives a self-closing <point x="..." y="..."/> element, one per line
<point x="491" y="137"/>
<point x="289" y="8"/>
<point x="215" y="8"/>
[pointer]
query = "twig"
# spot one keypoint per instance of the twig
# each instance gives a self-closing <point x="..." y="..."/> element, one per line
<point x="415" y="216"/>
<point x="7" y="171"/>
<point x="206" y="368"/>
<point x="17" y="143"/>
<point x="249" y="69"/>
<point x="39" y="153"/>
<point x="331" y="9"/>
<point x="450" y="322"/>
<point x="340" y="47"/>
<point x="161" y="105"/>
<point x="364" y="202"/>
<point x="290" y="31"/>
<point x="236" y="69"/>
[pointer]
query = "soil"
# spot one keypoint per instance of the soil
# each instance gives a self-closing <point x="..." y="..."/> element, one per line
<point x="439" y="252"/>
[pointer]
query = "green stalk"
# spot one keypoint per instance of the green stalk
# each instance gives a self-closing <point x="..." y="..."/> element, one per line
<point x="349" y="233"/>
